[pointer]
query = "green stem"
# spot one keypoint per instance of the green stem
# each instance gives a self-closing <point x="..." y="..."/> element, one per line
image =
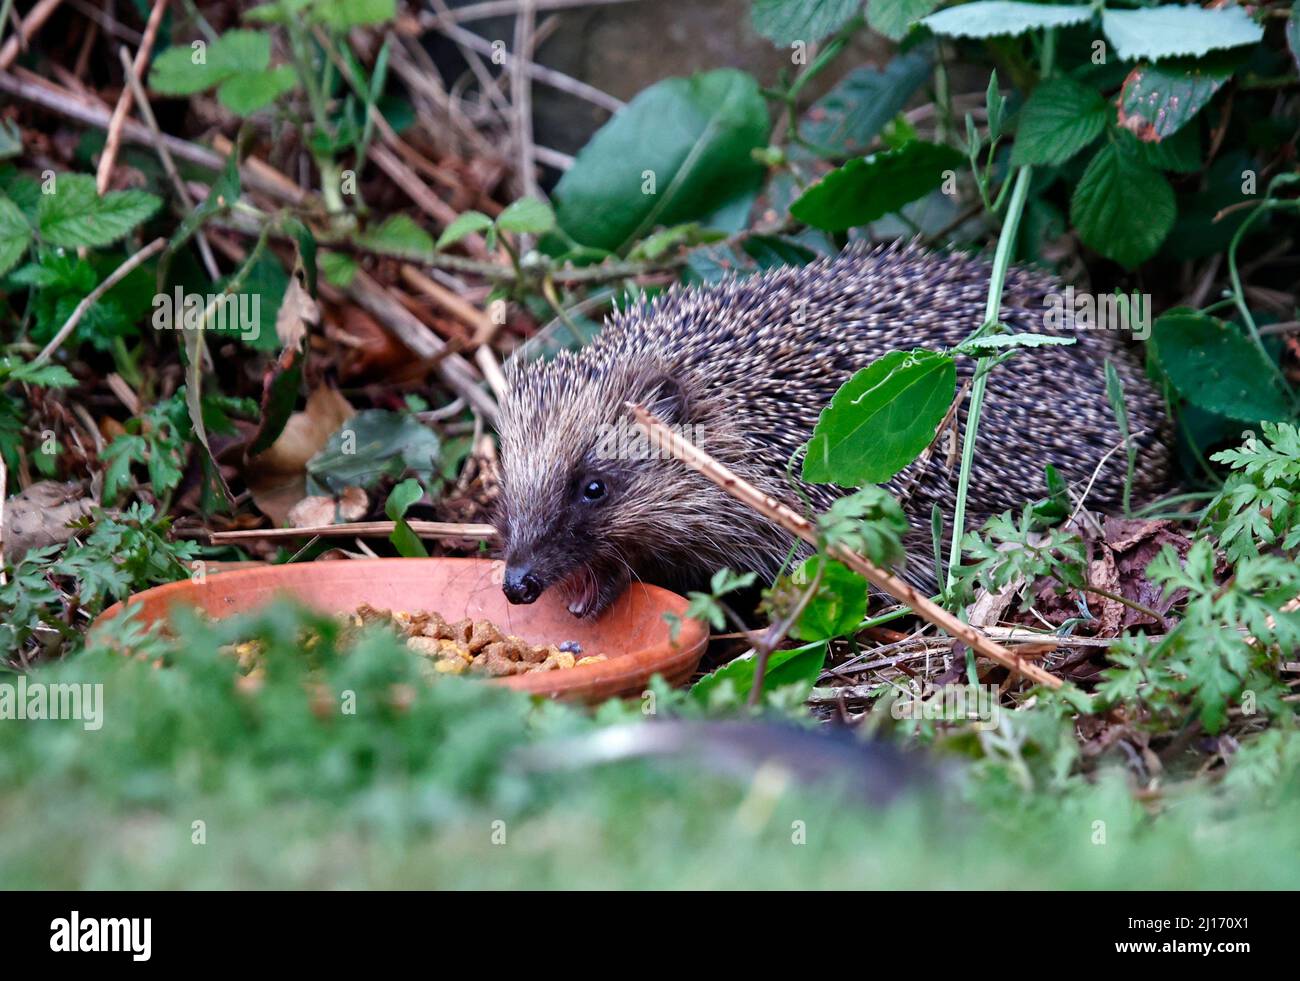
<point x="1001" y="262"/>
<point x="1239" y="291"/>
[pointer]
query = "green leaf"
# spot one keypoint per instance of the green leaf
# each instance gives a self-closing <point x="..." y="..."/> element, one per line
<point x="849" y="116"/>
<point x="869" y="188"/>
<point x="15" y="234"/>
<point x="527" y="216"/>
<point x="1060" y="119"/>
<point x="11" y="139"/>
<point x="1121" y="207"/>
<point x="346" y="14"/>
<point x="787" y="21"/>
<point x="792" y="667"/>
<point x="993" y="18"/>
<point x="401" y="234"/>
<point x="74" y="215"/>
<point x="372" y="445"/>
<point x="622" y="185"/>
<point x="188" y="69"/>
<point x="893" y="18"/>
<point x="246" y="93"/>
<point x="1180" y="153"/>
<point x="839" y="604"/>
<point x="338" y="268"/>
<point x="1214" y="366"/>
<point x="1171" y="30"/>
<point x="47" y="375"/>
<point x="464" y="226"/>
<point x="881" y="419"/>
<point x="406" y="541"/>
<point x="1158" y="100"/>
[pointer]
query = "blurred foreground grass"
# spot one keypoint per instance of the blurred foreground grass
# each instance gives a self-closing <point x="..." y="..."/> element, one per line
<point x="293" y="792"/>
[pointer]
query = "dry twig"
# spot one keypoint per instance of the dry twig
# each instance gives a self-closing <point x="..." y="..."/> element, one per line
<point x="798" y="525"/>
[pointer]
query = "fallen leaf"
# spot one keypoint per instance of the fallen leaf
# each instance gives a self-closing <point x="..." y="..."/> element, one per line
<point x="277" y="477"/>
<point x="40" y="515"/>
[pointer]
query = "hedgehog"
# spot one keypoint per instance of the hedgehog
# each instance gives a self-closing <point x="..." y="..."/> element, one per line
<point x="745" y="367"/>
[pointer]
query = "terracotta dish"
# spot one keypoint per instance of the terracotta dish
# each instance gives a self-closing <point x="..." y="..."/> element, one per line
<point x="632" y="634"/>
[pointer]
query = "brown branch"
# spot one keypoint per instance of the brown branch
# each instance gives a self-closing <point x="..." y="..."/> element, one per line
<point x="798" y="525"/>
<point x="423" y="529"/>
<point x="37" y="16"/>
<point x="22" y="84"/>
<point x="123" y="109"/>
<point x="169" y="164"/>
<point x="521" y="99"/>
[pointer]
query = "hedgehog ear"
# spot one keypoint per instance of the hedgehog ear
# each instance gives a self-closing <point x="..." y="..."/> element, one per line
<point x="664" y="396"/>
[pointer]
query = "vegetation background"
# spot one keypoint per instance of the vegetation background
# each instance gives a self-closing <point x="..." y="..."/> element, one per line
<point x="414" y="192"/>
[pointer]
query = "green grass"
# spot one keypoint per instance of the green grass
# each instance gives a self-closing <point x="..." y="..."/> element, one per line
<point x="413" y="797"/>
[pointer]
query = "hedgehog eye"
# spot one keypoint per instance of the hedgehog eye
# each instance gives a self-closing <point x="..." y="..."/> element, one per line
<point x="593" y="490"/>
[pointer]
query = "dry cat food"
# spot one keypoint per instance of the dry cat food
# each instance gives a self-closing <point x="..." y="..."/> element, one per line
<point x="464" y="647"/>
<point x="473" y="646"/>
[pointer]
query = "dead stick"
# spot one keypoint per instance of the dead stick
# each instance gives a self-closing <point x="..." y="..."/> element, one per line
<point x="37" y="16"/>
<point x="21" y="84"/>
<point x="797" y="524"/>
<point x="123" y="108"/>
<point x="169" y="165"/>
<point x="423" y="529"/>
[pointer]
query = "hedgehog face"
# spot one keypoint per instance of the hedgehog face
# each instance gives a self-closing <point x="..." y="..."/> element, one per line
<point x="576" y="479"/>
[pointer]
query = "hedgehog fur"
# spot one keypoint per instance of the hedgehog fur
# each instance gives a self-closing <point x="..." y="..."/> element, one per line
<point x="748" y="365"/>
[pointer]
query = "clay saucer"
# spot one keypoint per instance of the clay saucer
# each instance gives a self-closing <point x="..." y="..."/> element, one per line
<point x="632" y="633"/>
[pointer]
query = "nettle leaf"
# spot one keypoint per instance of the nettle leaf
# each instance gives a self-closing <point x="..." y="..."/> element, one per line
<point x="527" y="216"/>
<point x="893" y="18"/>
<point x="623" y="185"/>
<point x="1172" y="30"/>
<point x="246" y="93"/>
<point x="787" y="21"/>
<point x="849" y="116"/>
<point x="1158" y="100"/>
<point x="400" y="233"/>
<point x="464" y="226"/>
<point x="870" y="187"/>
<point x="1216" y="367"/>
<point x="881" y="419"/>
<point x="15" y="234"/>
<point x="1122" y="207"/>
<point x="74" y="215"/>
<point x="839" y="604"/>
<point x="188" y="69"/>
<point x="1061" y="118"/>
<point x="992" y="18"/>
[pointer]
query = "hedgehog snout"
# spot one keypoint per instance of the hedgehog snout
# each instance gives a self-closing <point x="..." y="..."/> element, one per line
<point x="521" y="585"/>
